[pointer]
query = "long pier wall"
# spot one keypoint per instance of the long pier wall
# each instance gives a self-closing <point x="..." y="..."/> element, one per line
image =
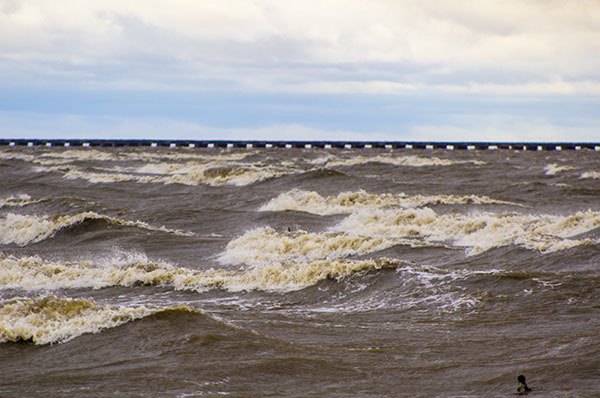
<point x="527" y="146"/>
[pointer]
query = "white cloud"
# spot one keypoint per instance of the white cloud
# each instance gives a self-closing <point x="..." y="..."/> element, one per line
<point x="512" y="47"/>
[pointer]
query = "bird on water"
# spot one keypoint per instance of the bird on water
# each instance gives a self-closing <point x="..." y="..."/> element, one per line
<point x="522" y="387"/>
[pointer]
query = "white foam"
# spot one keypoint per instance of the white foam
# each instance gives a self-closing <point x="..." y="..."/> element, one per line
<point x="53" y="319"/>
<point x="408" y="161"/>
<point x="263" y="246"/>
<point x="81" y="154"/>
<point x="553" y="169"/>
<point x="478" y="231"/>
<point x="70" y="156"/>
<point x="176" y="156"/>
<point x="422" y="288"/>
<point x="19" y="200"/>
<point x="214" y="174"/>
<point x="137" y="155"/>
<point x="348" y="202"/>
<point x="34" y="273"/>
<point x="591" y="174"/>
<point x="8" y="155"/>
<point x="24" y="229"/>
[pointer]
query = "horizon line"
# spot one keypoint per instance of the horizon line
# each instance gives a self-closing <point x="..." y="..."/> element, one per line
<point x="305" y="144"/>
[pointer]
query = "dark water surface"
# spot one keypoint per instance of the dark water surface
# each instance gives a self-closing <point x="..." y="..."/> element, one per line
<point x="298" y="272"/>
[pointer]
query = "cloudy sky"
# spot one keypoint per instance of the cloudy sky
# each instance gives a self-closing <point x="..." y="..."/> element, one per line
<point x="486" y="70"/>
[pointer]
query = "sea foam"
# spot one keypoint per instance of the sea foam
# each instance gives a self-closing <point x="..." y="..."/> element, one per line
<point x="20" y="200"/>
<point x="53" y="319"/>
<point x="174" y="173"/>
<point x="25" y="229"/>
<point x="264" y="245"/>
<point x="348" y="202"/>
<point x="590" y="174"/>
<point x="408" y="161"/>
<point x="35" y="273"/>
<point x="477" y="231"/>
<point x="554" y="169"/>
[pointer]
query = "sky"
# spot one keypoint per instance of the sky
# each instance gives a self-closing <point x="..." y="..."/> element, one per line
<point x="485" y="70"/>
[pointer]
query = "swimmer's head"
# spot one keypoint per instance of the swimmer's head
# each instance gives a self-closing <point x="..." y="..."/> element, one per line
<point x="521" y="379"/>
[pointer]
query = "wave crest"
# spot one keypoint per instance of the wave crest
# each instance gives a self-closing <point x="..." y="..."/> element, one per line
<point x="348" y="202"/>
<point x="25" y="229"/>
<point x="477" y="231"/>
<point x="554" y="168"/>
<point x="53" y="319"/>
<point x="264" y="245"/>
<point x="20" y="200"/>
<point x="173" y="173"/>
<point x="590" y="174"/>
<point x="409" y="161"/>
<point x="33" y="273"/>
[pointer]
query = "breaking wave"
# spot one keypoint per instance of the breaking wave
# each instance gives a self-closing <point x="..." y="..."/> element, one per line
<point x="9" y="155"/>
<point x="81" y="154"/>
<point x="53" y="319"/>
<point x="34" y="273"/>
<point x="416" y="287"/>
<point x="173" y="173"/>
<point x="128" y="154"/>
<point x="25" y="229"/>
<point x="264" y="245"/>
<point x="348" y="202"/>
<point x="213" y="174"/>
<point x="18" y="201"/>
<point x="185" y="154"/>
<point x="478" y="231"/>
<point x="409" y="161"/>
<point x="591" y="174"/>
<point x="554" y="169"/>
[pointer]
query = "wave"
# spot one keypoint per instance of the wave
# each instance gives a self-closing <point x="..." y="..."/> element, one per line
<point x="138" y="155"/>
<point x="220" y="155"/>
<point x="25" y="229"/>
<point x="9" y="155"/>
<point x="429" y="288"/>
<point x="264" y="245"/>
<point x="590" y="174"/>
<point x="20" y="200"/>
<point x="348" y="202"/>
<point x="286" y="277"/>
<point x="554" y="168"/>
<point x="56" y="157"/>
<point x="416" y="287"/>
<point x="53" y="319"/>
<point x="478" y="231"/>
<point x="408" y="161"/>
<point x="100" y="178"/>
<point x="214" y="174"/>
<point x="81" y="154"/>
<point x="34" y="273"/>
<point x="172" y="173"/>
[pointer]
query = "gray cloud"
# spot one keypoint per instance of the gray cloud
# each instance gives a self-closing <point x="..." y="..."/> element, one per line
<point x="9" y="7"/>
<point x="537" y="47"/>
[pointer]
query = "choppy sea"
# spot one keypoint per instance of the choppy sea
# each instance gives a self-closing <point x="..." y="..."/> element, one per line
<point x="188" y="272"/>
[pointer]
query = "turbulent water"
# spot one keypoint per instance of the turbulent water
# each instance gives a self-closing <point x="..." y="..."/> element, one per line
<point x="186" y="272"/>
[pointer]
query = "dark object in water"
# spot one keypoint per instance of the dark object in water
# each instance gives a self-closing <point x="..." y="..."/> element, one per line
<point x="522" y="387"/>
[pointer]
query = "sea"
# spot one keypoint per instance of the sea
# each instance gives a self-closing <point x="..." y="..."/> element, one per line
<point x="298" y="272"/>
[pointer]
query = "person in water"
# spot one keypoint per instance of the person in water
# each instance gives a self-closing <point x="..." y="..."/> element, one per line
<point x="522" y="387"/>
